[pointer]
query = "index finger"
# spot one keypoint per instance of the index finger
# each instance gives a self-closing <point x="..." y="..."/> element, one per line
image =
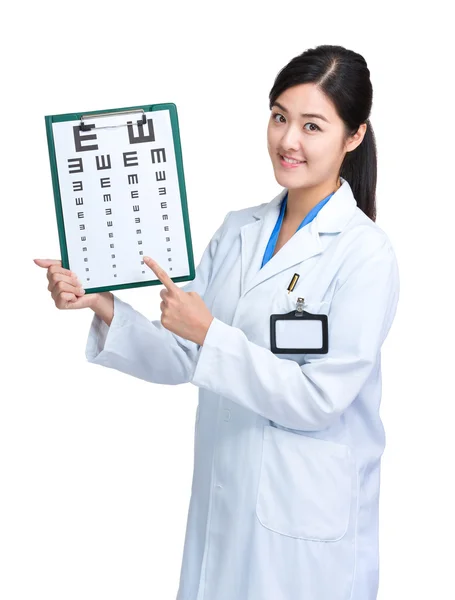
<point x="53" y="266"/>
<point x="161" y="274"/>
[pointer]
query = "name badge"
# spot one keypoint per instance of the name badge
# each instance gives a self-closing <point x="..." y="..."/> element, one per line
<point x="299" y="332"/>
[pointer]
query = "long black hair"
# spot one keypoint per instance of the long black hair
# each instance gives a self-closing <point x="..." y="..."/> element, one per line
<point x="343" y="76"/>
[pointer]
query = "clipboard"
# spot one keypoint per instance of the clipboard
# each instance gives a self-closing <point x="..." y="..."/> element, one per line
<point x="119" y="194"/>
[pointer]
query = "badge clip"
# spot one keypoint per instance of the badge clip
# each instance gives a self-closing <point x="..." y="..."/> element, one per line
<point x="299" y="307"/>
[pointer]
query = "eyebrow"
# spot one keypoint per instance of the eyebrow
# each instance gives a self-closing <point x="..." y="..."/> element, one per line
<point x="306" y="115"/>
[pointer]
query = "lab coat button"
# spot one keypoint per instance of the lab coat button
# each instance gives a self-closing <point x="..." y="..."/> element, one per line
<point x="227" y="414"/>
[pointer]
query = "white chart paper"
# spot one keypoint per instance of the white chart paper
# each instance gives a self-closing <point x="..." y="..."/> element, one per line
<point x="120" y="198"/>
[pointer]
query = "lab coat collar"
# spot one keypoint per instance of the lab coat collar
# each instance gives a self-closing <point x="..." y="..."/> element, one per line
<point x="304" y="244"/>
<point x="331" y="218"/>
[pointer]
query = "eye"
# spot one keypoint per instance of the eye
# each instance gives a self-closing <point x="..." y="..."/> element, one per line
<point x="314" y="125"/>
<point x="276" y="114"/>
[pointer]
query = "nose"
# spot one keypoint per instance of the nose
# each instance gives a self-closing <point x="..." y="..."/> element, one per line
<point x="290" y="140"/>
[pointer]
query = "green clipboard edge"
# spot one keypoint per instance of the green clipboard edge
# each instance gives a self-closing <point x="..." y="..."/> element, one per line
<point x="172" y="108"/>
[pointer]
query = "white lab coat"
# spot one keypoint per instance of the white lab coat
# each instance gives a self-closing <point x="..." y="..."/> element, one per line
<point x="284" y="502"/>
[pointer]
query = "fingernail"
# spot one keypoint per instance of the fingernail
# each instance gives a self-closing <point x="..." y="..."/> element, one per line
<point x="82" y="291"/>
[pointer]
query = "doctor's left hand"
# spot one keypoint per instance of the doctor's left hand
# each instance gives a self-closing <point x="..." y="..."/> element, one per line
<point x="183" y="313"/>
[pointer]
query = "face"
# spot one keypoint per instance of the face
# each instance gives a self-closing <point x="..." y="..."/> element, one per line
<point x="318" y="141"/>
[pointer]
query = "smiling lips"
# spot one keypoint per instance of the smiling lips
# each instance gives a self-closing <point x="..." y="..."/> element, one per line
<point x="287" y="164"/>
<point x="291" y="157"/>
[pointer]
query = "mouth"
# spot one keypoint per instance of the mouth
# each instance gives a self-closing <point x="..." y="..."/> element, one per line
<point x="290" y="164"/>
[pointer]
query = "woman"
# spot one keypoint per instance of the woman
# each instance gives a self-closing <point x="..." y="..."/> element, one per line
<point x="284" y="502"/>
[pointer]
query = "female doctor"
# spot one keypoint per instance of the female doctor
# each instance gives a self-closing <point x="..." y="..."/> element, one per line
<point x="284" y="502"/>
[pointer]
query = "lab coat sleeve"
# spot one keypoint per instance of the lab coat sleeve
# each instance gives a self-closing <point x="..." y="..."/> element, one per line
<point x="311" y="396"/>
<point x="145" y="349"/>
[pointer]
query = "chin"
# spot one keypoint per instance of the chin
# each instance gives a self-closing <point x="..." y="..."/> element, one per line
<point x="289" y="180"/>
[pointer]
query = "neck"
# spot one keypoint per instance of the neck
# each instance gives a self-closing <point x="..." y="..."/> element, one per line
<point x="301" y="201"/>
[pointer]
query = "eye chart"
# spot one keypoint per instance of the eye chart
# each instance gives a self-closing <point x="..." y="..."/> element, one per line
<point x="119" y="194"/>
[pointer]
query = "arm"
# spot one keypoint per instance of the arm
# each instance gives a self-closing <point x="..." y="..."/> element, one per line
<point x="104" y="307"/>
<point x="142" y="348"/>
<point x="308" y="397"/>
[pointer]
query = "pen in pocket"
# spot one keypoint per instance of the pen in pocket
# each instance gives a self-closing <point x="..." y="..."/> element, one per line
<point x="294" y="280"/>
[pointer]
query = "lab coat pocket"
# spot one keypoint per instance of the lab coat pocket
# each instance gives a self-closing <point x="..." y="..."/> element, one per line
<point x="305" y="486"/>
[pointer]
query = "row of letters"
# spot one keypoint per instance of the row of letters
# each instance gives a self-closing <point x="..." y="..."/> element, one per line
<point x="130" y="159"/>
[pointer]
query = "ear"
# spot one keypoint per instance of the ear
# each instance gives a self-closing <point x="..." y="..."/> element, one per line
<point x="356" y="139"/>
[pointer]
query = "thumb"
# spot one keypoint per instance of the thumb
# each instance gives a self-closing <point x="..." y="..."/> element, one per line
<point x="46" y="262"/>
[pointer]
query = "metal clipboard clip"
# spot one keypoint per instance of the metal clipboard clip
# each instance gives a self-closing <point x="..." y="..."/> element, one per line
<point x="84" y="127"/>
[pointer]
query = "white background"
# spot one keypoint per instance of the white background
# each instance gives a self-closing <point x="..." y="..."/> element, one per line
<point x="95" y="466"/>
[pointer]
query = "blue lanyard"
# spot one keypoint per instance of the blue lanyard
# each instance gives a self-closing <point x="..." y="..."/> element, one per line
<point x="274" y="237"/>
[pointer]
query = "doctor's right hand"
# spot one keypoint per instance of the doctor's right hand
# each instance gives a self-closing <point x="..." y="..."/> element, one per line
<point x="64" y="286"/>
